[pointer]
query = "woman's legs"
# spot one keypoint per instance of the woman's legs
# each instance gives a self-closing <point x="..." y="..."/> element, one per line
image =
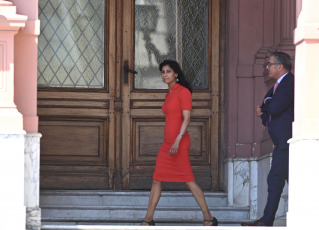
<point x="155" y="195"/>
<point x="200" y="198"/>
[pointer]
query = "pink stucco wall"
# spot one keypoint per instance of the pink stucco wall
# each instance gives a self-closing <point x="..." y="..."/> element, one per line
<point x="25" y="64"/>
<point x="27" y="7"/>
<point x="10" y="23"/>
<point x="254" y="29"/>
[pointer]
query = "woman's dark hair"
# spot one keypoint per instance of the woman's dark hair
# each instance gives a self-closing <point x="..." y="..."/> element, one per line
<point x="177" y="69"/>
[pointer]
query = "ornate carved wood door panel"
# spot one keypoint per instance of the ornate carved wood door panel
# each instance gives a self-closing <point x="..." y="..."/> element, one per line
<point x="102" y="126"/>
<point x="77" y="94"/>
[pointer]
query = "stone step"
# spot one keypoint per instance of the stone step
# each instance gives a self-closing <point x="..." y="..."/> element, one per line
<point x="129" y="208"/>
<point x="99" y="225"/>
<point x="114" y="227"/>
<point x="130" y="213"/>
<point x="128" y="198"/>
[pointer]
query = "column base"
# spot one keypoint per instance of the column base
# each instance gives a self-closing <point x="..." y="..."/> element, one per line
<point x="32" y="181"/>
<point x="33" y="218"/>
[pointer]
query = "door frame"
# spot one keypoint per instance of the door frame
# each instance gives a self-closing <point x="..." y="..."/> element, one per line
<point x="124" y="40"/>
<point x="115" y="97"/>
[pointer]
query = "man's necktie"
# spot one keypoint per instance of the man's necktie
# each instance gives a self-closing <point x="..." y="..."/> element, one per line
<point x="275" y="87"/>
<point x="273" y="92"/>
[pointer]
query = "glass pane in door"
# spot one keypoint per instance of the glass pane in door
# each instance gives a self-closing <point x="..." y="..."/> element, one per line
<point x="171" y="29"/>
<point x="71" y="43"/>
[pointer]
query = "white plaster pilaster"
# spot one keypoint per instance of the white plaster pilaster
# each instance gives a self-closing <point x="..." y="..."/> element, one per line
<point x="304" y="145"/>
<point x="303" y="185"/>
<point x="12" y="211"/>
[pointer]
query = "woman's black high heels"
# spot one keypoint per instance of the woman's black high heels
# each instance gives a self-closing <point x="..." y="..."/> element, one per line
<point x="214" y="221"/>
<point x="150" y="223"/>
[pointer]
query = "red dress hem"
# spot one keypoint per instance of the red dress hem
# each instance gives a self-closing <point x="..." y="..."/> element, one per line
<point x="170" y="180"/>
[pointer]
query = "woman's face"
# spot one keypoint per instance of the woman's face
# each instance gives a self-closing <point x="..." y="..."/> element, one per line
<point x="168" y="75"/>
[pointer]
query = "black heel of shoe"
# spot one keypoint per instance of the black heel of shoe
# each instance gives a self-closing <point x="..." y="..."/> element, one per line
<point x="150" y="223"/>
<point x="214" y="221"/>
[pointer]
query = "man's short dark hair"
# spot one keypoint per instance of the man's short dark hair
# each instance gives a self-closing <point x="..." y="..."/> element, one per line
<point x="282" y="58"/>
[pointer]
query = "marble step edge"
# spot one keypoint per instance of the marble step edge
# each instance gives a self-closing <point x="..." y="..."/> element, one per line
<point x="134" y="227"/>
<point x="97" y="224"/>
<point x="176" y="202"/>
<point x="137" y="221"/>
<point x="124" y="193"/>
<point x="168" y="200"/>
<point x="135" y="207"/>
<point x="100" y="221"/>
<point x="116" y="226"/>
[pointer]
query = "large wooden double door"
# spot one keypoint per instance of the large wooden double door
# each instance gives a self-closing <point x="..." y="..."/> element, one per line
<point x="108" y="137"/>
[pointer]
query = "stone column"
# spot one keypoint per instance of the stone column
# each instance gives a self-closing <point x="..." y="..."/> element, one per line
<point x="25" y="97"/>
<point x="12" y="211"/>
<point x="304" y="146"/>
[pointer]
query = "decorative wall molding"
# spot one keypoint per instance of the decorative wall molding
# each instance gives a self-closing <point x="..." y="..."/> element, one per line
<point x="31" y="28"/>
<point x="281" y="16"/>
<point x="10" y="23"/>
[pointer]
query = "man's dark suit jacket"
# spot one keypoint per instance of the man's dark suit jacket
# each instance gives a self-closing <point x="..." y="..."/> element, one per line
<point x="281" y="109"/>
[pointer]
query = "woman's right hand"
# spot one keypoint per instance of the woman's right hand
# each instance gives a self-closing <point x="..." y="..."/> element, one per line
<point x="174" y="149"/>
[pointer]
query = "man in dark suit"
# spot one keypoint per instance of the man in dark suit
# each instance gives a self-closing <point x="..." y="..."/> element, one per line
<point x="277" y="114"/>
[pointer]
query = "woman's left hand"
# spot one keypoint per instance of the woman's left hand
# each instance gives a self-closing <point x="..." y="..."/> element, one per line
<point x="174" y="149"/>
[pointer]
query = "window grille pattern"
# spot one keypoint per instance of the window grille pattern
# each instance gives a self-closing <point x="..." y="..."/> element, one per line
<point x="71" y="43"/>
<point x="171" y="29"/>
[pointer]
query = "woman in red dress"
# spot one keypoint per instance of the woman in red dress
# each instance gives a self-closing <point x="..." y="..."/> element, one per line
<point x="172" y="163"/>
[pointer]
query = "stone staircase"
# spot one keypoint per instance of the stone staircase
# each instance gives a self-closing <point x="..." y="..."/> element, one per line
<point x="129" y="208"/>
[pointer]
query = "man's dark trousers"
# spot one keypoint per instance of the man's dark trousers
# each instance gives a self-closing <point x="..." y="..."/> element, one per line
<point x="276" y="181"/>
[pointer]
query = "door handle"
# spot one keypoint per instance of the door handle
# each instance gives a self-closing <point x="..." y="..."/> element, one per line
<point x="126" y="71"/>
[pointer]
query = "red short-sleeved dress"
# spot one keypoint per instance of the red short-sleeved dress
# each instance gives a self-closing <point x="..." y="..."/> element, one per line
<point x="175" y="168"/>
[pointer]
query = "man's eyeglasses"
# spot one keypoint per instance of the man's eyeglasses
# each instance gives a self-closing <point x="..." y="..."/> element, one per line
<point x="270" y="64"/>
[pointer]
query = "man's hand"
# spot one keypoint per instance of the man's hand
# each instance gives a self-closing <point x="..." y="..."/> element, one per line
<point x="258" y="111"/>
